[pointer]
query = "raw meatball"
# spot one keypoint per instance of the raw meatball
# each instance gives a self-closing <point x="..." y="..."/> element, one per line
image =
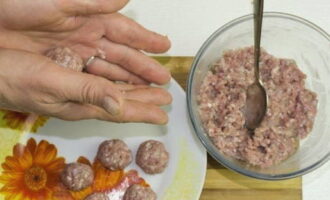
<point x="138" y="192"/>
<point x="114" y="154"/>
<point x="152" y="157"/>
<point x="97" y="196"/>
<point x="77" y="176"/>
<point x="65" y="57"/>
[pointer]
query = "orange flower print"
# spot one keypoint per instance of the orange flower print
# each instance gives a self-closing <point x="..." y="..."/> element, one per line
<point x="32" y="172"/>
<point x="23" y="121"/>
<point x="113" y="183"/>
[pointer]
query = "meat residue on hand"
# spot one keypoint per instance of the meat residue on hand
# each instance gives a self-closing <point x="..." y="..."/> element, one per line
<point x="65" y="57"/>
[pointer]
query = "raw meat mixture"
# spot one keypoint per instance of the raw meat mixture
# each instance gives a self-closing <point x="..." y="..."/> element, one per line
<point x="290" y="113"/>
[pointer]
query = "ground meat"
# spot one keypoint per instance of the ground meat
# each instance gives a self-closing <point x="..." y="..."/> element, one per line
<point x="291" y="108"/>
<point x="138" y="192"/>
<point x="65" y="57"/>
<point x="152" y="157"/>
<point x="77" y="176"/>
<point x="114" y="154"/>
<point x="97" y="196"/>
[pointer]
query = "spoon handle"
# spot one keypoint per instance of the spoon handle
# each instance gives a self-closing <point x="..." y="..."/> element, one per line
<point x="258" y="6"/>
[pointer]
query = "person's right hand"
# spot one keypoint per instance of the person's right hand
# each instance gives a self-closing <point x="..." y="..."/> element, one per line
<point x="86" y="26"/>
<point x="33" y="83"/>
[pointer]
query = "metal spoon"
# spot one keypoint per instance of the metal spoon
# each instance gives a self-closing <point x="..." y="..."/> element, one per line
<point x="256" y="102"/>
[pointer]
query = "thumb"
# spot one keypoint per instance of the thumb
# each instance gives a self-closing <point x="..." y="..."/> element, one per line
<point x="90" y="7"/>
<point x="90" y="89"/>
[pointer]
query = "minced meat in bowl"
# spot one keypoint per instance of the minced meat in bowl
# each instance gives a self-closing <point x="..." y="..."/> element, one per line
<point x="289" y="117"/>
<point x="292" y="138"/>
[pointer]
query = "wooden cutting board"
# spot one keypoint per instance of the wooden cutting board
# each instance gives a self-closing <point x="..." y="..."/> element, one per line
<point x="223" y="184"/>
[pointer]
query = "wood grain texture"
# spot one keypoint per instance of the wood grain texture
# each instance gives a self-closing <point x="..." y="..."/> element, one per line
<point x="221" y="183"/>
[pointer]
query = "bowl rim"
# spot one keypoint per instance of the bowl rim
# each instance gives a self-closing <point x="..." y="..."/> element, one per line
<point x="201" y="134"/>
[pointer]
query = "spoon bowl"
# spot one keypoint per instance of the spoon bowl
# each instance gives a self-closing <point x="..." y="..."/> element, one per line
<point x="256" y="104"/>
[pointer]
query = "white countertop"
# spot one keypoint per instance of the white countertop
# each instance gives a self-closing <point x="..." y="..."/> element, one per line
<point x="189" y="22"/>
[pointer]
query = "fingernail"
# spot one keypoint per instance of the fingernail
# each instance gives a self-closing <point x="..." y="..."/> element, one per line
<point x="111" y="106"/>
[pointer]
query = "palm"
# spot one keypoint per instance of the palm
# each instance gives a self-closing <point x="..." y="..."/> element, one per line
<point x="54" y="29"/>
<point x="80" y="33"/>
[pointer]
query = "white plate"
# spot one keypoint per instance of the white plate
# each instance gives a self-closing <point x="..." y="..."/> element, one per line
<point x="183" y="178"/>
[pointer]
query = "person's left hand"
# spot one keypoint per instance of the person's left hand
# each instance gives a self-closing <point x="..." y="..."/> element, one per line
<point x="87" y="27"/>
<point x="34" y="84"/>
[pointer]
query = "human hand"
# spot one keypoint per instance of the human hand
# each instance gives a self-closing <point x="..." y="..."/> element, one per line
<point x="86" y="27"/>
<point x="33" y="83"/>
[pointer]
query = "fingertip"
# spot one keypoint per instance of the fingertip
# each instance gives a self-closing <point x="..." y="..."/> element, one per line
<point x="168" y="43"/>
<point x="168" y="77"/>
<point x="161" y="73"/>
<point x="120" y="4"/>
<point x="169" y="98"/>
<point x="165" y="77"/>
<point x="165" y="96"/>
<point x="157" y="116"/>
<point x="160" y="118"/>
<point x="159" y="44"/>
<point x="156" y="73"/>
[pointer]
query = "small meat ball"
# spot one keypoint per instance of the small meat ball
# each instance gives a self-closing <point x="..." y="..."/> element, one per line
<point x="138" y="192"/>
<point x="152" y="157"/>
<point x="77" y="176"/>
<point x="65" y="57"/>
<point x="97" y="196"/>
<point x="114" y="154"/>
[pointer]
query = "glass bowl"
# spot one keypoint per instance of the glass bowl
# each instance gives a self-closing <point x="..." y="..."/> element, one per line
<point x="284" y="36"/>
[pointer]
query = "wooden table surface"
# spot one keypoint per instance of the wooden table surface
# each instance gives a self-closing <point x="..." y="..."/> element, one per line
<point x="223" y="184"/>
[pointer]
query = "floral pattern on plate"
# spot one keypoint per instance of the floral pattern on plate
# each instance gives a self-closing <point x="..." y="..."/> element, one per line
<point x="22" y="121"/>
